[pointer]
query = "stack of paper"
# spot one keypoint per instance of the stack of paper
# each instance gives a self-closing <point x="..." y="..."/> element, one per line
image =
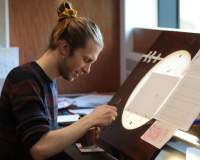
<point x="92" y="100"/>
<point x="64" y="102"/>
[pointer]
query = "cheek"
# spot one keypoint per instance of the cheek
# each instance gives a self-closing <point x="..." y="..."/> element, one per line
<point x="77" y="67"/>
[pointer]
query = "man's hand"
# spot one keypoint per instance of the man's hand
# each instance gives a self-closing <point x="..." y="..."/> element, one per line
<point x="103" y="115"/>
<point x="97" y="130"/>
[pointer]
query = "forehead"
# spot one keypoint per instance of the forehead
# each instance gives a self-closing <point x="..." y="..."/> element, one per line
<point x="91" y="50"/>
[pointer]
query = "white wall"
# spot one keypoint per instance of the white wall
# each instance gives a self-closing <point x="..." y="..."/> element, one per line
<point x="4" y="24"/>
<point x="4" y="29"/>
<point x="134" y="13"/>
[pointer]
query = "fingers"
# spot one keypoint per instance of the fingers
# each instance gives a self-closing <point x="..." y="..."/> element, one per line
<point x="113" y="108"/>
<point x="104" y="115"/>
<point x="97" y="130"/>
<point x="113" y="118"/>
<point x="97" y="137"/>
<point x="114" y="112"/>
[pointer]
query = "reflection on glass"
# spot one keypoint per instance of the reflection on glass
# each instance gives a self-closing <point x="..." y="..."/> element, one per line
<point x="189" y="14"/>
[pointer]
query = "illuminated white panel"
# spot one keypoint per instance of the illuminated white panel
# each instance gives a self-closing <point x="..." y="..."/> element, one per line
<point x="174" y="65"/>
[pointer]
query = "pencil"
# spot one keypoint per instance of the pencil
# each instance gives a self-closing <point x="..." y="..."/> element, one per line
<point x="117" y="102"/>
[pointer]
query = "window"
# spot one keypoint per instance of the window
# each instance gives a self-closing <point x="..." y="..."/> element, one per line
<point x="181" y="14"/>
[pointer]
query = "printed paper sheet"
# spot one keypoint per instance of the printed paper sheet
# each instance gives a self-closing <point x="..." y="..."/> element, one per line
<point x="9" y="58"/>
<point x="152" y="95"/>
<point x="183" y="105"/>
<point x="159" y="133"/>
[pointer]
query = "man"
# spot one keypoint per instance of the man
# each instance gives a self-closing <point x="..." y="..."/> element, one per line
<point x="28" y="103"/>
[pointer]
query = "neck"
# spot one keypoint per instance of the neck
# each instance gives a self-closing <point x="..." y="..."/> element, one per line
<point x="49" y="63"/>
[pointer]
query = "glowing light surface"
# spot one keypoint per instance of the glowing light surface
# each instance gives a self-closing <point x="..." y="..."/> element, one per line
<point x="174" y="65"/>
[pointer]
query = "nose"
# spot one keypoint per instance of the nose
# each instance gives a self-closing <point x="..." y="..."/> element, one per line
<point x="86" y="70"/>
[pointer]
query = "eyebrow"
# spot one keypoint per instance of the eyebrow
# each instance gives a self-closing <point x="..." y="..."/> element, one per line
<point x="90" y="60"/>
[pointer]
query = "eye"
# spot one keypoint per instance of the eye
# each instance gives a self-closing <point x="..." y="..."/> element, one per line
<point x="86" y="60"/>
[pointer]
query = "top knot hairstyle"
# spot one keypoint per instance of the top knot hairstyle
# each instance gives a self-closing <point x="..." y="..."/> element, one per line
<point x="75" y="30"/>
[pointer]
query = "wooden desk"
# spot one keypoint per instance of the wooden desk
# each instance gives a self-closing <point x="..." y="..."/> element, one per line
<point x="171" y="149"/>
<point x="74" y="152"/>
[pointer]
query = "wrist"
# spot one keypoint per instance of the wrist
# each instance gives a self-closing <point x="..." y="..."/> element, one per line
<point x="90" y="121"/>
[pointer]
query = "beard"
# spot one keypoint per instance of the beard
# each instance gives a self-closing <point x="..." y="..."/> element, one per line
<point x="65" y="71"/>
<point x="66" y="75"/>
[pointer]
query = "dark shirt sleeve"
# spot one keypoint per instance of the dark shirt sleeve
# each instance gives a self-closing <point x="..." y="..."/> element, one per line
<point x="27" y="100"/>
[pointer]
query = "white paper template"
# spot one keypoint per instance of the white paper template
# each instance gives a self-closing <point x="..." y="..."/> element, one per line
<point x="193" y="61"/>
<point x="159" y="133"/>
<point x="9" y="58"/>
<point x="183" y="105"/>
<point x="67" y="118"/>
<point x="152" y="95"/>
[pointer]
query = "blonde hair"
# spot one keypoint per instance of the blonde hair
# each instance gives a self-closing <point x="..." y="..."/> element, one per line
<point x="75" y="30"/>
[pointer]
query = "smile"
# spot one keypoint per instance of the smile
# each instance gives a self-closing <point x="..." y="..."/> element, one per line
<point x="76" y="75"/>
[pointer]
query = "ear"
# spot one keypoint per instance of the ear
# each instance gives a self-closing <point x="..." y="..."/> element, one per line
<point x="64" y="47"/>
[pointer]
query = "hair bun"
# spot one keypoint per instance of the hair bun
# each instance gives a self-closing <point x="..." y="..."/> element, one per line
<point x="62" y="6"/>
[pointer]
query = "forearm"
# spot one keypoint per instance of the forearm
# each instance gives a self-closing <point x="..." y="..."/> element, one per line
<point x="56" y="141"/>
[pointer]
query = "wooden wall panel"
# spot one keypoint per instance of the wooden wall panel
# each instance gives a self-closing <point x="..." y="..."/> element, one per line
<point x="144" y="38"/>
<point x="31" y="23"/>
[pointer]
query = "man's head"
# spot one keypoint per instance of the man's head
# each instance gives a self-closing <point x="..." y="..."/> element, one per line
<point x="75" y="35"/>
<point x="72" y="65"/>
<point x="75" y="30"/>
